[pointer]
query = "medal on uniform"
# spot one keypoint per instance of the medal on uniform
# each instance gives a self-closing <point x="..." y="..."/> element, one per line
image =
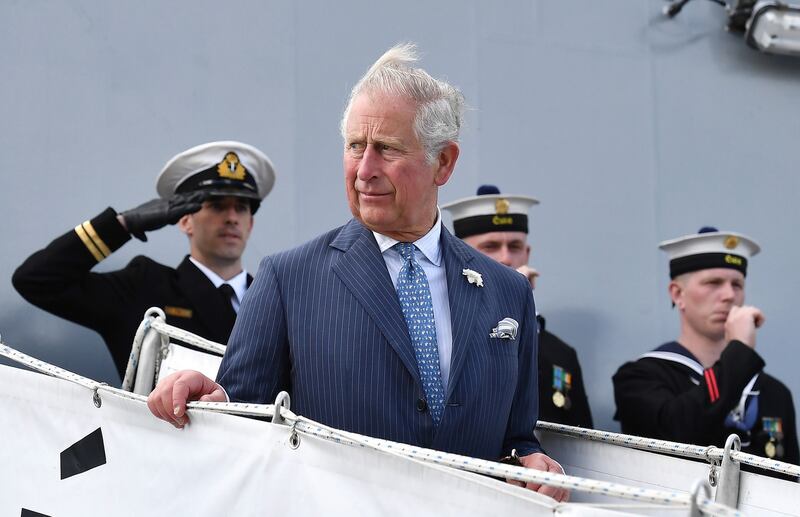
<point x="770" y="448"/>
<point x="773" y="426"/>
<point x="562" y="382"/>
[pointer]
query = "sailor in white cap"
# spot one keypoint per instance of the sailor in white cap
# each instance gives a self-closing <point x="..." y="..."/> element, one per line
<point x="211" y="192"/>
<point x="497" y="225"/>
<point x="710" y="382"/>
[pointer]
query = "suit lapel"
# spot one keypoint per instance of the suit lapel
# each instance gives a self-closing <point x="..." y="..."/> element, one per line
<point x="465" y="301"/>
<point x="206" y="301"/>
<point x="363" y="271"/>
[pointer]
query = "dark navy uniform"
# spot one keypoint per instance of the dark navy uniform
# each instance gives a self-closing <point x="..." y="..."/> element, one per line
<point x="59" y="280"/>
<point x="562" y="396"/>
<point x="666" y="394"/>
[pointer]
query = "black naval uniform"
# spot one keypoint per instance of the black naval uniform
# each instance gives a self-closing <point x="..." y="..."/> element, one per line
<point x="58" y="279"/>
<point x="658" y="397"/>
<point x="560" y="372"/>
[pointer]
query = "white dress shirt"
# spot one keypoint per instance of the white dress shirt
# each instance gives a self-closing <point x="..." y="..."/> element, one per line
<point x="430" y="258"/>
<point x="239" y="283"/>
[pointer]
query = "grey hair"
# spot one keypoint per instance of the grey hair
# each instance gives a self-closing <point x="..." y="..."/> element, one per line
<point x="440" y="106"/>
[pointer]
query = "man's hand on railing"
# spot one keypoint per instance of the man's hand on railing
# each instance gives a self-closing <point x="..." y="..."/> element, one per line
<point x="168" y="400"/>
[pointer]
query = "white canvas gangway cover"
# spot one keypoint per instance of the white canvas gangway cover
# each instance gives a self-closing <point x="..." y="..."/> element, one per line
<point x="611" y="457"/>
<point x="121" y="461"/>
<point x="74" y="447"/>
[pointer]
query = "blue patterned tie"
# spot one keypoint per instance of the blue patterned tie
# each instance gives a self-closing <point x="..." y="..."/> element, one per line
<point x="415" y="300"/>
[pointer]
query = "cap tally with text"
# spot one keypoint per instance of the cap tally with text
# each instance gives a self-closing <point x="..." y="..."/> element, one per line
<point x="490" y="211"/>
<point x="225" y="168"/>
<point x="709" y="248"/>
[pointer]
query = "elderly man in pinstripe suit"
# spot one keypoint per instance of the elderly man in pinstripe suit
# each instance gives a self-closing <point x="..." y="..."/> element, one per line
<point x="389" y="326"/>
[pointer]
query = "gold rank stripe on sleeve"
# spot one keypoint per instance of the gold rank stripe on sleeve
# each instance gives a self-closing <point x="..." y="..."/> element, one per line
<point x="96" y="239"/>
<point x="92" y="241"/>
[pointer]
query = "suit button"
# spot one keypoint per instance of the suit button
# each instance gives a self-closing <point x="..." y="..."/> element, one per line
<point x="421" y="405"/>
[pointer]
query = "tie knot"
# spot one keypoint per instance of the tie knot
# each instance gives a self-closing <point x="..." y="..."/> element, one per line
<point x="227" y="290"/>
<point x="406" y="250"/>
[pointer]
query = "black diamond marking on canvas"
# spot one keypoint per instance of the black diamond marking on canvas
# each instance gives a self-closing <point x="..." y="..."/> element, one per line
<point x="31" y="513"/>
<point x="85" y="454"/>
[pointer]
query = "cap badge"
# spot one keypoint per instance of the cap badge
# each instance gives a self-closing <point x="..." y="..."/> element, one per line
<point x="731" y="242"/>
<point x="734" y="260"/>
<point x="231" y="167"/>
<point x="501" y="218"/>
<point x="501" y="206"/>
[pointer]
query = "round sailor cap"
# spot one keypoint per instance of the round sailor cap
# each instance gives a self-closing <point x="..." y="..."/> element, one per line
<point x="709" y="248"/>
<point x="490" y="211"/>
<point x="226" y="168"/>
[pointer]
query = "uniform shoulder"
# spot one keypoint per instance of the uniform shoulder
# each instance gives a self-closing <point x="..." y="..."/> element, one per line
<point x="554" y="347"/>
<point x="145" y="269"/>
<point x="645" y="362"/>
<point x="775" y="384"/>
<point x="545" y="336"/>
<point x="146" y="263"/>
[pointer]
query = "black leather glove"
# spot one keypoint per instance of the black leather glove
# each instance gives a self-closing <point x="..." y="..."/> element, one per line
<point x="158" y="213"/>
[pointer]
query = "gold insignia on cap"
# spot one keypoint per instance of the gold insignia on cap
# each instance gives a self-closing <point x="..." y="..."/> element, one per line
<point x="231" y="167"/>
<point x="731" y="242"/>
<point x="501" y="206"/>
<point x="733" y="259"/>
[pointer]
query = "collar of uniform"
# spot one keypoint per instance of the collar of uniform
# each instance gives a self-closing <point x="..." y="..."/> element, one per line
<point x="239" y="282"/>
<point x="430" y="243"/>
<point x="677" y="348"/>
<point x="675" y="352"/>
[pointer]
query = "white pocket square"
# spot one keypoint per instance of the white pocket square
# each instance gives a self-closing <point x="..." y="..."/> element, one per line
<point x="505" y="329"/>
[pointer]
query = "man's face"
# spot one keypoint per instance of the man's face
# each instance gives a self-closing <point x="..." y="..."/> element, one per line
<point x="705" y="298"/>
<point x="218" y="232"/>
<point x="391" y="187"/>
<point x="509" y="248"/>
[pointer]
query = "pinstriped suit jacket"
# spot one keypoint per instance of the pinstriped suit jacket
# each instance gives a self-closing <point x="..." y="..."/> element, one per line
<point x="323" y="322"/>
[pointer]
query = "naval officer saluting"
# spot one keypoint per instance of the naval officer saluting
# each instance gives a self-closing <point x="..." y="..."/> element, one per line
<point x="211" y="192"/>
